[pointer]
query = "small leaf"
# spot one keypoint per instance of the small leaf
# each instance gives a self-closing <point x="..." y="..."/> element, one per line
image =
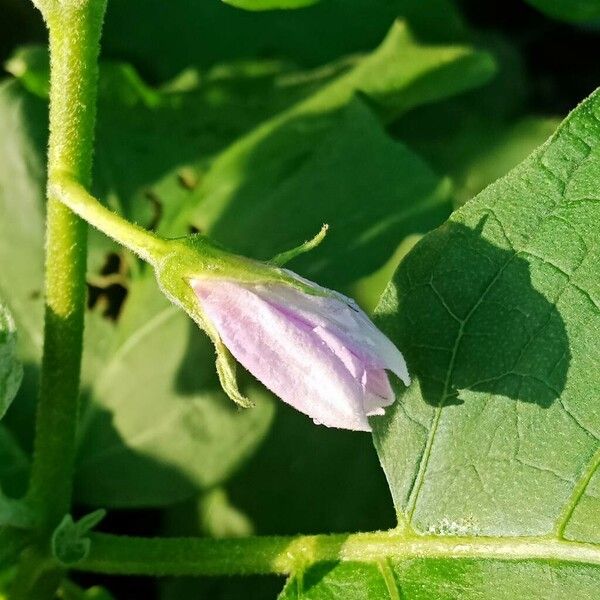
<point x="71" y="591"/>
<point x="219" y="518"/>
<point x="69" y="544"/>
<point x="31" y="65"/>
<point x="11" y="371"/>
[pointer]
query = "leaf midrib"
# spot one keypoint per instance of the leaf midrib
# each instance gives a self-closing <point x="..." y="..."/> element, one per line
<point x="384" y="545"/>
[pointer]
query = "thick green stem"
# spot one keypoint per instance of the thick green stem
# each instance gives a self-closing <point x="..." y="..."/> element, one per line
<point x="287" y="555"/>
<point x="74" y="29"/>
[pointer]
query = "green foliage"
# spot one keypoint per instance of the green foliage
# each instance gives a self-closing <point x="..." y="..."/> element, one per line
<point x="209" y="32"/>
<point x="11" y="371"/>
<point x="502" y="403"/>
<point x="569" y="10"/>
<point x="497" y="314"/>
<point x="152" y="403"/>
<point x="444" y="579"/>
<point x="376" y="117"/>
<point x="501" y="406"/>
<point x="330" y="146"/>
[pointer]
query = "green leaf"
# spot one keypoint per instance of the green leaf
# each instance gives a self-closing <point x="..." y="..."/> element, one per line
<point x="156" y="426"/>
<point x="69" y="544"/>
<point x="329" y="147"/>
<point x="22" y="181"/>
<point x="568" y="10"/>
<point x="493" y="453"/>
<point x="14" y="464"/>
<point x="11" y="371"/>
<point x="269" y="4"/>
<point x="502" y="351"/>
<point x="31" y="65"/>
<point x="15" y="513"/>
<point x="444" y="579"/>
<point x="479" y="136"/>
<point x="356" y="161"/>
<point x="70" y="591"/>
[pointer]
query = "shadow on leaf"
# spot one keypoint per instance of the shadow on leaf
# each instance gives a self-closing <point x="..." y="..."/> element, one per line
<point x="468" y="318"/>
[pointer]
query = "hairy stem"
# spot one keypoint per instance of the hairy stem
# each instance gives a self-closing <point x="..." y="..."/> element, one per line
<point x="143" y="243"/>
<point x="74" y="31"/>
<point x="286" y="555"/>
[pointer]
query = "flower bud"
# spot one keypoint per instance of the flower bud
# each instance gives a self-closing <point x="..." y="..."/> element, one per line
<point x="311" y="346"/>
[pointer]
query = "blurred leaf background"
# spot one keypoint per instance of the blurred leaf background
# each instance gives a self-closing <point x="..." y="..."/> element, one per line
<point x="376" y="116"/>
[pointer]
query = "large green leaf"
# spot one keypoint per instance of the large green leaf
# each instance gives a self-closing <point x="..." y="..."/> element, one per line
<point x="493" y="453"/>
<point x="22" y="180"/>
<point x="156" y="425"/>
<point x="444" y="579"/>
<point x="316" y="161"/>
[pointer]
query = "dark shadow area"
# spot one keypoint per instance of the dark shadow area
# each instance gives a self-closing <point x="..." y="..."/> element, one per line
<point x="209" y="32"/>
<point x="253" y="587"/>
<point x="328" y="480"/>
<point x="552" y="50"/>
<point x="108" y="289"/>
<point x="469" y="318"/>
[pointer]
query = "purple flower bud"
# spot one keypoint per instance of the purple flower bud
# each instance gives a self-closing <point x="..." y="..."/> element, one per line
<point x="318" y="352"/>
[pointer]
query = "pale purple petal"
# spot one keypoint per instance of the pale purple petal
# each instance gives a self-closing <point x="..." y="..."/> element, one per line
<point x="285" y="354"/>
<point x="342" y="318"/>
<point x="378" y="392"/>
<point x="320" y="353"/>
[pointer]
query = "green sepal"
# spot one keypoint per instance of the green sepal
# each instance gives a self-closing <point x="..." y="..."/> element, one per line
<point x="283" y="257"/>
<point x="69" y="544"/>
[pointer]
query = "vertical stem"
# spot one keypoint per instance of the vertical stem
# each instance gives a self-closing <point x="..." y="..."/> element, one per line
<point x="74" y="29"/>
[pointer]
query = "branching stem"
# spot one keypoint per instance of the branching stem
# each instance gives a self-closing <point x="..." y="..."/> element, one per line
<point x="287" y="555"/>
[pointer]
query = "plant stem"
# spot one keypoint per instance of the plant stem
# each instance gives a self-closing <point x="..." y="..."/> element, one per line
<point x="286" y="555"/>
<point x="74" y="30"/>
<point x="143" y="243"/>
